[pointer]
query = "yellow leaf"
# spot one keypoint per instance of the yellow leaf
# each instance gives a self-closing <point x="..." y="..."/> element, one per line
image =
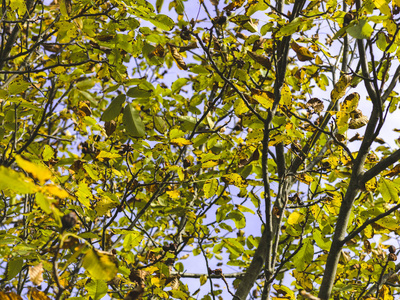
<point x="234" y="179"/>
<point x="383" y="6"/>
<point x="180" y="142"/>
<point x="295" y="218"/>
<point x="174" y="194"/>
<point x="156" y="281"/>
<point x="209" y="164"/>
<point x="240" y="107"/>
<point x="54" y="190"/>
<point x="340" y="87"/>
<point x="100" y="265"/>
<point x="40" y="172"/>
<point x="9" y="296"/>
<point x="286" y="95"/>
<point x="203" y="279"/>
<point x="35" y="294"/>
<point x="14" y="181"/>
<point x="303" y="54"/>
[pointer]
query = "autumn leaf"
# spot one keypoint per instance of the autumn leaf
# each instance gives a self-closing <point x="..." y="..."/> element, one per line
<point x="303" y="54"/>
<point x="261" y="59"/>
<point x="177" y="57"/>
<point x="100" y="265"/>
<point x="36" y="274"/>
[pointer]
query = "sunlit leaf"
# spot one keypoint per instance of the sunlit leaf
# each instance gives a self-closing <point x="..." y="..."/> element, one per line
<point x="361" y="30"/>
<point x="40" y="172"/>
<point x="17" y="182"/>
<point x="36" y="274"/>
<point x="100" y="266"/>
<point x="97" y="289"/>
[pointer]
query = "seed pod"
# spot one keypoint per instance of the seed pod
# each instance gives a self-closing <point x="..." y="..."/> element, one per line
<point x="69" y="220"/>
<point x="348" y="18"/>
<point x="392" y="257"/>
<point x="392" y="249"/>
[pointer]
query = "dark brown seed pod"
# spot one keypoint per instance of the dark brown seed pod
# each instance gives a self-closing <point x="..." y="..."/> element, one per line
<point x="348" y="18"/>
<point x="392" y="257"/>
<point x="392" y="249"/>
<point x="69" y="220"/>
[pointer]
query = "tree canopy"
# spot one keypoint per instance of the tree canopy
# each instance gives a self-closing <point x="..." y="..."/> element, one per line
<point x="138" y="139"/>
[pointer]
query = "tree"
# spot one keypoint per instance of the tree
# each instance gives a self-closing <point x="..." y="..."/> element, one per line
<point x="133" y="141"/>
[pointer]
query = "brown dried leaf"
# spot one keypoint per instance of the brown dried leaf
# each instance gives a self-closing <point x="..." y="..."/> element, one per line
<point x="177" y="56"/>
<point x="258" y="44"/>
<point x="358" y="123"/>
<point x="235" y="4"/>
<point x="158" y="51"/>
<point x="36" y="274"/>
<point x="303" y="54"/>
<point x="261" y="59"/>
<point x="138" y="276"/>
<point x="35" y="294"/>
<point x="315" y="104"/>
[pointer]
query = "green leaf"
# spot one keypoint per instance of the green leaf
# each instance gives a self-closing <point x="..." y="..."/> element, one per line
<point x="234" y="246"/>
<point x="159" y="4"/>
<point x="238" y="218"/>
<point x="323" y="243"/>
<point x="47" y="153"/>
<point x="140" y="92"/>
<point x="361" y="30"/>
<point x="18" y="86"/>
<point x="84" y="194"/>
<point x="203" y="279"/>
<point x="15" y="181"/>
<point x="159" y="124"/>
<point x="43" y="202"/>
<point x="114" y="109"/>
<point x="97" y="289"/>
<point x="210" y="188"/>
<point x="100" y="265"/>
<point x="178" y="84"/>
<point x="163" y="22"/>
<point x="14" y="266"/>
<point x="304" y="256"/>
<point x="132" y="121"/>
<point x="388" y="190"/>
<point x="86" y="84"/>
<point x="289" y="28"/>
<point x="179" y="267"/>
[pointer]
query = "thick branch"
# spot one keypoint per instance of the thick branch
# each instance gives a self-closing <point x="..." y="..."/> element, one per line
<point x="369" y="222"/>
<point x="379" y="167"/>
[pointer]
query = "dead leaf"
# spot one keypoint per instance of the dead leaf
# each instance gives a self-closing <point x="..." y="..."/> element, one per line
<point x="158" y="51"/>
<point x="177" y="57"/>
<point x="358" y="123"/>
<point x="36" y="274"/>
<point x="303" y="54"/>
<point x="261" y="59"/>
<point x="315" y="104"/>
